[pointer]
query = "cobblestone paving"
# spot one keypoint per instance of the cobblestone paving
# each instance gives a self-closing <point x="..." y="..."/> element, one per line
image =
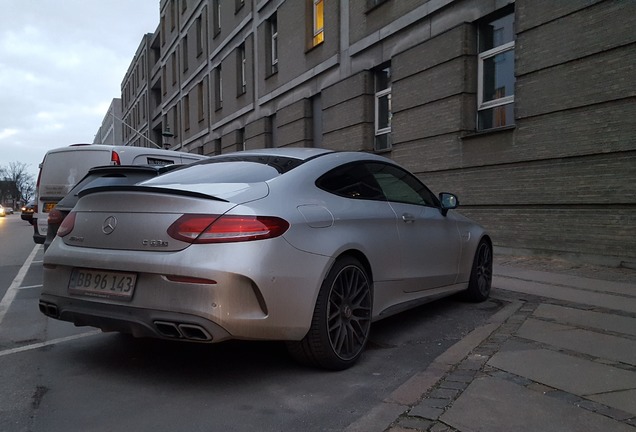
<point x="425" y="415"/>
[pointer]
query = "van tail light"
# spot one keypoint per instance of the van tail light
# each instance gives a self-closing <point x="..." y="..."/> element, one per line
<point x="114" y="158"/>
<point x="67" y="225"/>
<point x="202" y="228"/>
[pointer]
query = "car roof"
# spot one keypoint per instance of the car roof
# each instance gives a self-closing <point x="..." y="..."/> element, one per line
<point x="302" y="153"/>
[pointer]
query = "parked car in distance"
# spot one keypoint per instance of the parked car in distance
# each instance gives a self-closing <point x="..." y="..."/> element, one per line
<point x="63" y="167"/>
<point x="101" y="176"/>
<point x="26" y="212"/>
<point x="304" y="245"/>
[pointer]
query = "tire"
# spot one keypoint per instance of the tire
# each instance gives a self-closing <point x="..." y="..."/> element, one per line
<point x="481" y="274"/>
<point x="342" y="319"/>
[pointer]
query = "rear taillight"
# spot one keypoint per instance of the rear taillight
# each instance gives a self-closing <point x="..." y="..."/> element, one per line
<point x="56" y="216"/>
<point x="196" y="228"/>
<point x="114" y="158"/>
<point x="67" y="225"/>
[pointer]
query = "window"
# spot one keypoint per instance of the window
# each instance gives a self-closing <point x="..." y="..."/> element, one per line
<point x="199" y="35"/>
<point x="175" y="122"/>
<point x="216" y="12"/>
<point x="272" y="139"/>
<point x="241" y="69"/>
<point x="400" y="186"/>
<point x="163" y="30"/>
<point x="184" y="5"/>
<point x="240" y="139"/>
<point x="185" y="53"/>
<point x="186" y="112"/>
<point x="377" y="181"/>
<point x="238" y="4"/>
<point x="273" y="44"/>
<point x="164" y="80"/>
<point x="351" y="181"/>
<point x="173" y="14"/>
<point x="318" y="22"/>
<point x="174" y="67"/>
<point x="218" y="87"/>
<point x="382" y="109"/>
<point x="200" y="102"/>
<point x="316" y="120"/>
<point x="496" y="72"/>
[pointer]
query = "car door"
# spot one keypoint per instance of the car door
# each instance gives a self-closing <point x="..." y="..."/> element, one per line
<point x="429" y="242"/>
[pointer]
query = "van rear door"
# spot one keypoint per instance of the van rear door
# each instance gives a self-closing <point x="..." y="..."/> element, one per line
<point x="60" y="171"/>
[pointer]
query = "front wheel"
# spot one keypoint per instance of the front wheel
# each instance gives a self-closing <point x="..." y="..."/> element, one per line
<point x="481" y="274"/>
<point x="342" y="319"/>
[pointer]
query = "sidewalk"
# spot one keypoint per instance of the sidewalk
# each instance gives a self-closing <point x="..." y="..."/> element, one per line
<point x="561" y="356"/>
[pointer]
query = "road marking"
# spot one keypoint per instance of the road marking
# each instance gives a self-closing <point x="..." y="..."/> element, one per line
<point x="15" y="285"/>
<point x="47" y="343"/>
<point x="32" y="286"/>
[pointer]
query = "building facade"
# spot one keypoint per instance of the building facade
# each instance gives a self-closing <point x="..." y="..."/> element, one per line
<point x="525" y="109"/>
<point x="110" y="132"/>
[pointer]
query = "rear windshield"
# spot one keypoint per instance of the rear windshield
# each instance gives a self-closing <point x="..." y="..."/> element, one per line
<point x="219" y="172"/>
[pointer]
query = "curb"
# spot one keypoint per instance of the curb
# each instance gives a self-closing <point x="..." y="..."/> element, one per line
<point x="380" y="417"/>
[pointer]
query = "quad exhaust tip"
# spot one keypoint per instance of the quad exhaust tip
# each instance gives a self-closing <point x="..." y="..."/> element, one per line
<point x="49" y="309"/>
<point x="186" y="331"/>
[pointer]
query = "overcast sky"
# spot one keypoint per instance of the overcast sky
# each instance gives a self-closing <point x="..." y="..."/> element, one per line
<point x="61" y="64"/>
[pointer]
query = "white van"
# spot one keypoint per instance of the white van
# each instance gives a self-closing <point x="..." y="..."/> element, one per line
<point x="63" y="167"/>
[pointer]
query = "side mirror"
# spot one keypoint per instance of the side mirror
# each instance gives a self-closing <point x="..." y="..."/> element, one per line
<point x="448" y="202"/>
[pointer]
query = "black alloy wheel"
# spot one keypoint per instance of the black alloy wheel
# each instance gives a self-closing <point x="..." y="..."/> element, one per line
<point x="342" y="319"/>
<point x="481" y="274"/>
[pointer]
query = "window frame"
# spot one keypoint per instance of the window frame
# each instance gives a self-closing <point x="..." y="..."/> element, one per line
<point x="382" y="135"/>
<point x="273" y="28"/>
<point x="241" y="58"/>
<point x="218" y="88"/>
<point x="318" y="33"/>
<point x="482" y="57"/>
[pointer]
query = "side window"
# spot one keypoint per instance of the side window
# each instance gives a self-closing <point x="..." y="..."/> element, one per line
<point x="351" y="181"/>
<point x="400" y="186"/>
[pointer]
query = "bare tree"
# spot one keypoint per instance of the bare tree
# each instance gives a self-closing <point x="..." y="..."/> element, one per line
<point x="16" y="185"/>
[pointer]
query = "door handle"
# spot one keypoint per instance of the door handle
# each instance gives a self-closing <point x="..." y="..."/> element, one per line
<point x="408" y="218"/>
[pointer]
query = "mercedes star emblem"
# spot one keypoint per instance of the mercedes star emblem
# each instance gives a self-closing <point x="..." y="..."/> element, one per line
<point x="109" y="225"/>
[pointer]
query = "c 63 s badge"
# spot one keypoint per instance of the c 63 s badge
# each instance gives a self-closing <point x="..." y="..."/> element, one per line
<point x="155" y="243"/>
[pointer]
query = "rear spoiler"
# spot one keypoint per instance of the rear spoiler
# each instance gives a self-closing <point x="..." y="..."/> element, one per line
<point x="147" y="189"/>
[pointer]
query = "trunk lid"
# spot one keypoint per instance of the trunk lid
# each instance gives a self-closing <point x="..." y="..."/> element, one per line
<point x="138" y="217"/>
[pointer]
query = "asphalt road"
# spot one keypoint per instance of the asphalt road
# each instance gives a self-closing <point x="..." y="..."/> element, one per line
<point x="56" y="377"/>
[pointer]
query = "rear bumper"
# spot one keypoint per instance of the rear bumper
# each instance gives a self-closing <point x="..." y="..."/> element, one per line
<point x="260" y="291"/>
<point x="135" y="321"/>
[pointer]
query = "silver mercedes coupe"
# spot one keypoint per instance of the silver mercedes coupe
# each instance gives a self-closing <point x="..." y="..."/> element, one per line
<point x="308" y="246"/>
